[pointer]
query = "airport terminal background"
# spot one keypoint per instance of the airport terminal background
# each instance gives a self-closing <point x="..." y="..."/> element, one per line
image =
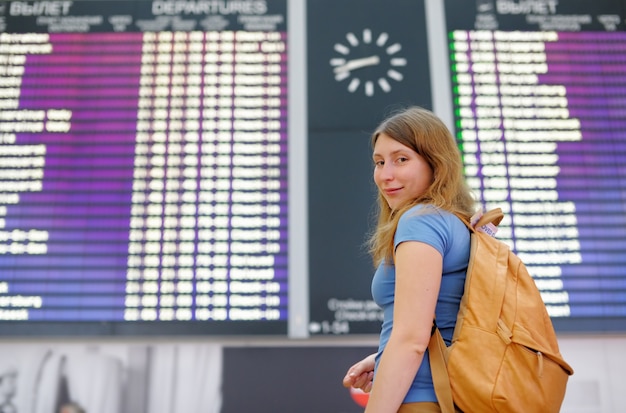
<point x="185" y="188"/>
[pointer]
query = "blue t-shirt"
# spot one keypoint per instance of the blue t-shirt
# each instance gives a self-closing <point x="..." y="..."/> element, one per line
<point x="447" y="234"/>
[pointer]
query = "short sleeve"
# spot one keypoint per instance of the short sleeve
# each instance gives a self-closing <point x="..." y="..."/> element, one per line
<point x="423" y="224"/>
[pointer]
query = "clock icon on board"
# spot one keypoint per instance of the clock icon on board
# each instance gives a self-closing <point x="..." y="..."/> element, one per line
<point x="368" y="63"/>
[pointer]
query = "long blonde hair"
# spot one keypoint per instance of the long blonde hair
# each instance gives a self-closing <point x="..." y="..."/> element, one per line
<point x="422" y="131"/>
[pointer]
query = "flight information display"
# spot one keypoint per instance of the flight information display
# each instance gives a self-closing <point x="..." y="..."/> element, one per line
<point x="143" y="167"/>
<point x="539" y="98"/>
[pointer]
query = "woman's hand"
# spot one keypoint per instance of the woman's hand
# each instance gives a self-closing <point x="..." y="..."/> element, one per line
<point x="361" y="374"/>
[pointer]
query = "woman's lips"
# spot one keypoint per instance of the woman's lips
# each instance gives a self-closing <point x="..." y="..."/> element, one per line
<point x="392" y="191"/>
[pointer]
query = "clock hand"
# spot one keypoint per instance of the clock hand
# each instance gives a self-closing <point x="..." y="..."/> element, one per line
<point x="357" y="64"/>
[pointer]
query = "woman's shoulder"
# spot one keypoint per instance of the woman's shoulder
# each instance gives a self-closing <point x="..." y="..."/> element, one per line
<point x="434" y="226"/>
<point x="425" y="211"/>
<point x="432" y="216"/>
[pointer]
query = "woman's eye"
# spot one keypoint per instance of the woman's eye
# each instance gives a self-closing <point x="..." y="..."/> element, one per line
<point x="379" y="163"/>
<point x="402" y="159"/>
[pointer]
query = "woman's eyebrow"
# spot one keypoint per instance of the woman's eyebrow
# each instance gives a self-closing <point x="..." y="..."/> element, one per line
<point x="397" y="151"/>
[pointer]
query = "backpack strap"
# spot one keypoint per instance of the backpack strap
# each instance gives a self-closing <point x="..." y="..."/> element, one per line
<point x="493" y="216"/>
<point x="439" y="371"/>
<point x="481" y="220"/>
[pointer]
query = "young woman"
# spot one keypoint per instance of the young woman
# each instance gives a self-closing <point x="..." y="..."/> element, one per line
<point x="421" y="249"/>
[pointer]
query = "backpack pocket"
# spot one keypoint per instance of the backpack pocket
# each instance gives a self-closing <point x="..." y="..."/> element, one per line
<point x="529" y="381"/>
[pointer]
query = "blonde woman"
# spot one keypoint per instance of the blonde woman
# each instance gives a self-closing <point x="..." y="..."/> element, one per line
<point x="421" y="249"/>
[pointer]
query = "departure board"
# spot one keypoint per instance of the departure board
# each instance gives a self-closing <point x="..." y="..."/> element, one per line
<point x="539" y="98"/>
<point x="143" y="167"/>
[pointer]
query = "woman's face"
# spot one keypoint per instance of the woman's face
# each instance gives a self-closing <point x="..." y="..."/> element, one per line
<point x="400" y="173"/>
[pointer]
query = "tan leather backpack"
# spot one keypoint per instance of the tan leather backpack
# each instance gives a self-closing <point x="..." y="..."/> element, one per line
<point x="504" y="355"/>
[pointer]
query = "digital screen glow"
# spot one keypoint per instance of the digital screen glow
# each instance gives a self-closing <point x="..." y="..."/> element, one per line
<point x="540" y="119"/>
<point x="143" y="173"/>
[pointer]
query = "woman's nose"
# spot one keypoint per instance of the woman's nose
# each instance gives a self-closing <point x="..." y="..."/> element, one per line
<point x="386" y="172"/>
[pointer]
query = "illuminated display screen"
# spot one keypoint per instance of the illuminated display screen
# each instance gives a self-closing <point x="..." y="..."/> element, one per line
<point x="539" y="100"/>
<point x="143" y="166"/>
